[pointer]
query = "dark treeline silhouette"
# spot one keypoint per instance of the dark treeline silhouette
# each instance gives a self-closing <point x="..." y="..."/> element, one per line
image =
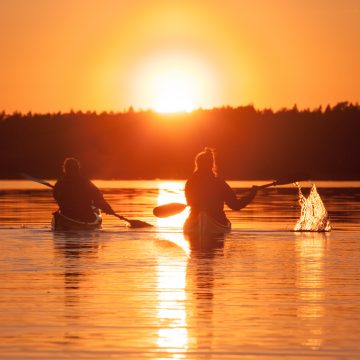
<point x="251" y="144"/>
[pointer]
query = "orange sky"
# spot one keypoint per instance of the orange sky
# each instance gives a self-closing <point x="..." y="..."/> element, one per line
<point x="100" y="55"/>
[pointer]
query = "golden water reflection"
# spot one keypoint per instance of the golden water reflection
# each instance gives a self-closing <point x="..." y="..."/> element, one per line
<point x="310" y="249"/>
<point x="185" y="281"/>
<point x="170" y="228"/>
<point x="171" y="274"/>
<point x="171" y="311"/>
<point x="263" y="293"/>
<point x="172" y="191"/>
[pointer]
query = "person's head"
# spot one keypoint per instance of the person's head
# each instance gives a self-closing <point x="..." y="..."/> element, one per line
<point x="71" y="166"/>
<point x="205" y="161"/>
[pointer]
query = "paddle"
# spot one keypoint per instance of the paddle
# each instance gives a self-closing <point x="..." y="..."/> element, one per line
<point x="286" y="180"/>
<point x="171" y="209"/>
<point x="132" y="223"/>
<point x="40" y="181"/>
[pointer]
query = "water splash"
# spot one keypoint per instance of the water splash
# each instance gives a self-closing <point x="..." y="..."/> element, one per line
<point x="314" y="216"/>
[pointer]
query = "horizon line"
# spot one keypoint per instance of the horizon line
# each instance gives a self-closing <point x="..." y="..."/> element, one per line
<point x="132" y="110"/>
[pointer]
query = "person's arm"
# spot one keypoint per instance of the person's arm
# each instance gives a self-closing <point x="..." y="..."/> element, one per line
<point x="187" y="193"/>
<point x="236" y="204"/>
<point x="99" y="200"/>
<point x="57" y="192"/>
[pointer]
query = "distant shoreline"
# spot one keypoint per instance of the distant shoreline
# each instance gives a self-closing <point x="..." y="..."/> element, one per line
<point x="250" y="143"/>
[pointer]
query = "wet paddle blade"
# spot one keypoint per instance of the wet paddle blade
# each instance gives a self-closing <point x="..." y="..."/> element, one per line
<point x="133" y="223"/>
<point x="138" y="224"/>
<point x="170" y="209"/>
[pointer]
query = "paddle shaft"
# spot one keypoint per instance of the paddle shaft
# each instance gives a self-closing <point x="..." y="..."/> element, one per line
<point x="121" y="217"/>
<point x="40" y="181"/>
<point x="267" y="185"/>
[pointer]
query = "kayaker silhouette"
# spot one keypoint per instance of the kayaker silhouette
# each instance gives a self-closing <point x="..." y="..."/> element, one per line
<point x="206" y="195"/>
<point x="77" y="196"/>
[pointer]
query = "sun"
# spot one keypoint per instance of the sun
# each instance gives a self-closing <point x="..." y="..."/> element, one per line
<point x="174" y="90"/>
<point x="174" y="83"/>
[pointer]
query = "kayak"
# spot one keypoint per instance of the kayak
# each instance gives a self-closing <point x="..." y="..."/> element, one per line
<point x="205" y="225"/>
<point x="62" y="222"/>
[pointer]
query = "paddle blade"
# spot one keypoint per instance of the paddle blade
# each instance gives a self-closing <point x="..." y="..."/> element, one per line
<point x="138" y="224"/>
<point x="166" y="210"/>
<point x="133" y="223"/>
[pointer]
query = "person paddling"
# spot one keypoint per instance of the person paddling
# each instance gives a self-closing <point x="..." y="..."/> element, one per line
<point x="77" y="196"/>
<point x="206" y="192"/>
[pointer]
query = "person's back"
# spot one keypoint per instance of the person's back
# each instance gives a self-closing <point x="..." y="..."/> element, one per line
<point x="77" y="195"/>
<point x="205" y="192"/>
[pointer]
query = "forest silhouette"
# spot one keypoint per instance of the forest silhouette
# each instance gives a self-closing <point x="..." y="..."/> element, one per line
<point x="250" y="143"/>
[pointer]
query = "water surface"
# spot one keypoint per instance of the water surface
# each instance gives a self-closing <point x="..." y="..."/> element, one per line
<point x="263" y="292"/>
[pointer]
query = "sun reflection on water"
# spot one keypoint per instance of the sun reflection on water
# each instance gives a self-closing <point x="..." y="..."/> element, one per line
<point x="171" y="275"/>
<point x="172" y="191"/>
<point x="170" y="228"/>
<point x="171" y="307"/>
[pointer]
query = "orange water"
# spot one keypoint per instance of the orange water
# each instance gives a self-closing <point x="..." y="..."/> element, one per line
<point x="265" y="292"/>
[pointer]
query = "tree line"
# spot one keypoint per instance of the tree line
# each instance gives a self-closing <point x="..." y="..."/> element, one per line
<point x="250" y="143"/>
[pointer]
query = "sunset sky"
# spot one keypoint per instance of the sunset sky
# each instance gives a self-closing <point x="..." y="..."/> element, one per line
<point x="108" y="55"/>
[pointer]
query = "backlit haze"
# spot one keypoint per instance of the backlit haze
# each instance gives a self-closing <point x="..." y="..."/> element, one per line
<point x="171" y="56"/>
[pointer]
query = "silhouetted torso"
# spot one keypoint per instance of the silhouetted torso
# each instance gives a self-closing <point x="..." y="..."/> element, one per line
<point x="206" y="192"/>
<point x="76" y="195"/>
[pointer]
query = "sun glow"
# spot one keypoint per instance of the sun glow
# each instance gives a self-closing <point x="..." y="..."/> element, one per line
<point x="175" y="90"/>
<point x="175" y="83"/>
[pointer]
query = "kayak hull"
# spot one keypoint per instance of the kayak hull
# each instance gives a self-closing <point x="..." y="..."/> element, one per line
<point x="204" y="225"/>
<point x="61" y="222"/>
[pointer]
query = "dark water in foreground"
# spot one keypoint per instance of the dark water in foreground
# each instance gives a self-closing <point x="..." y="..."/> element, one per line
<point x="265" y="292"/>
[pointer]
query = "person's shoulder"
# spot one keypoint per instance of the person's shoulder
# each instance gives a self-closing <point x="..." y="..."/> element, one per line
<point x="189" y="182"/>
<point x="59" y="181"/>
<point x="193" y="177"/>
<point x="220" y="180"/>
<point x="90" y="184"/>
<point x="87" y="181"/>
<point x="222" y="183"/>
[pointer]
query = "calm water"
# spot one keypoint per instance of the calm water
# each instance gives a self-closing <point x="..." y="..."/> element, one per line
<point x="265" y="292"/>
